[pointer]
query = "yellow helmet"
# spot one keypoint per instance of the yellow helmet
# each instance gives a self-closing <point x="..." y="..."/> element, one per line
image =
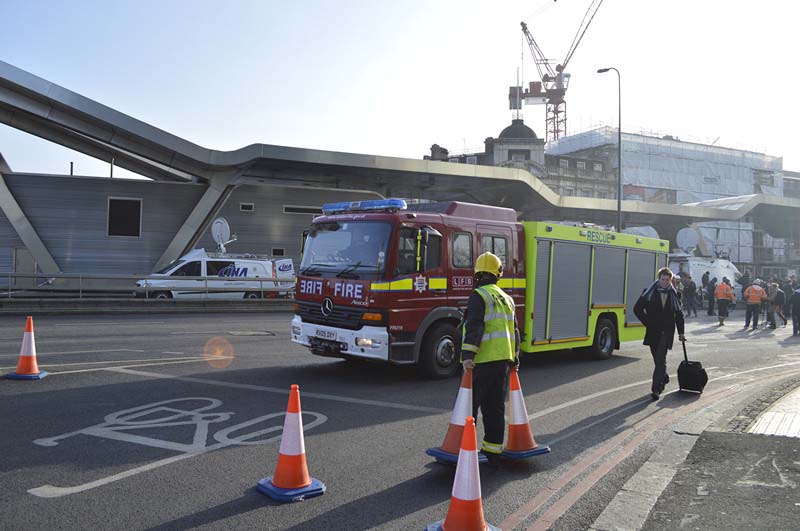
<point x="489" y="263"/>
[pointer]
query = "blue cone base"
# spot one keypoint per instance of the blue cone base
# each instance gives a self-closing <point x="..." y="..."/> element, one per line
<point x="437" y="526"/>
<point x="446" y="458"/>
<point x="539" y="450"/>
<point x="265" y="486"/>
<point x="37" y="376"/>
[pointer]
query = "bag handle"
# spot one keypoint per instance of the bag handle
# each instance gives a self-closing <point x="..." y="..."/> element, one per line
<point x="684" y="351"/>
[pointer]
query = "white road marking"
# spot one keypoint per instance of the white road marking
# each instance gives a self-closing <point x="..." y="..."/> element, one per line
<point x="105" y="323"/>
<point x="104" y="351"/>
<point x="106" y="361"/>
<point x="281" y="391"/>
<point x="117" y="424"/>
<point x="170" y="352"/>
<point x="194" y="360"/>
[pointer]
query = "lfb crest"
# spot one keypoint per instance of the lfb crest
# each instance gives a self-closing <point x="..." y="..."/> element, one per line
<point x="420" y="284"/>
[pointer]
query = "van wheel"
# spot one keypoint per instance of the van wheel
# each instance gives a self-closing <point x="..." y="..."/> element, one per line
<point x="252" y="295"/>
<point x="438" y="357"/>
<point x="161" y="295"/>
<point x="605" y="337"/>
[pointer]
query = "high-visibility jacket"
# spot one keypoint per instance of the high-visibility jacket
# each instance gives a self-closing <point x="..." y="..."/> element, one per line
<point x="755" y="294"/>
<point x="724" y="291"/>
<point x="498" y="341"/>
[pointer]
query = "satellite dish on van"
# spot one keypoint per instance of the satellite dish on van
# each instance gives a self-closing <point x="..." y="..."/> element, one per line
<point x="221" y="232"/>
<point x="687" y="240"/>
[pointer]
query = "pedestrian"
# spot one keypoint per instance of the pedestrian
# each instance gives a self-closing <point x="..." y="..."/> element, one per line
<point x="711" y="289"/>
<point x="704" y="279"/>
<point x="754" y="296"/>
<point x="724" y="296"/>
<point x="787" y="292"/>
<point x="659" y="310"/>
<point x="777" y="298"/>
<point x="690" y="296"/>
<point x="744" y="280"/>
<point x="489" y="346"/>
<point x="795" y="302"/>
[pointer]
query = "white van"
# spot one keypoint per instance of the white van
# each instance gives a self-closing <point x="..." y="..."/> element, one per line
<point x="696" y="266"/>
<point x="231" y="277"/>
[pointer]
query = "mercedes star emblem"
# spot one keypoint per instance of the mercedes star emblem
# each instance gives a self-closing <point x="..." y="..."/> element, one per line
<point x="327" y="306"/>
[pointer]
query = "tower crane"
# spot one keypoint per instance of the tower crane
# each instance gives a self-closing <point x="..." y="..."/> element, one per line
<point x="554" y="79"/>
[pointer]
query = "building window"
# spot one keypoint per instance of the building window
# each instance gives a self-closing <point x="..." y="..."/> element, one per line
<point x="581" y="165"/>
<point x="585" y="192"/>
<point x="247" y="207"/>
<point x="598" y="166"/>
<point x="290" y="209"/>
<point x="602" y="195"/>
<point x="472" y="160"/>
<point x="125" y="217"/>
<point x="568" y="191"/>
<point x="497" y="246"/>
<point x="454" y="159"/>
<point x="563" y="163"/>
<point x="462" y="250"/>
<point x="278" y="251"/>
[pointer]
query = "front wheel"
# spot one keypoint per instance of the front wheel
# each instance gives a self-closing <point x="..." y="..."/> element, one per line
<point x="605" y="338"/>
<point x="438" y="357"/>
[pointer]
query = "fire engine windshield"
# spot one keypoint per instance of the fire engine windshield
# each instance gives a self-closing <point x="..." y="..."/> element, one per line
<point x="347" y="249"/>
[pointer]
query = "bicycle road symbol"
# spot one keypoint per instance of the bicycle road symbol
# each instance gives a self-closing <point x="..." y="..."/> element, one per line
<point x="123" y="425"/>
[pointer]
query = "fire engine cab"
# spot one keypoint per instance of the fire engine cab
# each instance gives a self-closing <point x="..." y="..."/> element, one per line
<point x="382" y="281"/>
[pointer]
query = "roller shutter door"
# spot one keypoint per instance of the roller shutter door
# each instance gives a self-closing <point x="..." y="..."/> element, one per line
<point x="641" y="273"/>
<point x="569" y="312"/>
<point x="609" y="276"/>
<point x="541" y="292"/>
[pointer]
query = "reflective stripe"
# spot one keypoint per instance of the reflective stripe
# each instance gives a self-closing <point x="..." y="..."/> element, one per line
<point x="404" y="284"/>
<point x="467" y="483"/>
<point x="292" y="442"/>
<point x="438" y="283"/>
<point x="463" y="407"/>
<point x="492" y="448"/>
<point x="503" y="316"/>
<point x="496" y="335"/>
<point x="518" y="413"/>
<point x="469" y="348"/>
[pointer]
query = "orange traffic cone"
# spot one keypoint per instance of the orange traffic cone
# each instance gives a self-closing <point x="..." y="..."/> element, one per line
<point x="520" y="443"/>
<point x="27" y="368"/>
<point x="291" y="481"/>
<point x="466" y="509"/>
<point x="448" y="452"/>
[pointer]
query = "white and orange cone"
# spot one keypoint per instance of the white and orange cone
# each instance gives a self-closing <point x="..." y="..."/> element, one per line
<point x="520" y="443"/>
<point x="466" y="508"/>
<point x="27" y="368"/>
<point x="291" y="481"/>
<point x="448" y="452"/>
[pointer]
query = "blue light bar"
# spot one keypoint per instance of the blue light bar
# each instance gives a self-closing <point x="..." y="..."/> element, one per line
<point x="364" y="206"/>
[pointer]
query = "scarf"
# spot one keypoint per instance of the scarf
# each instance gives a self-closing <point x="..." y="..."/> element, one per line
<point x="672" y="295"/>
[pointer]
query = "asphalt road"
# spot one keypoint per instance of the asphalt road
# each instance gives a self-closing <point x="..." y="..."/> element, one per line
<point x="136" y="429"/>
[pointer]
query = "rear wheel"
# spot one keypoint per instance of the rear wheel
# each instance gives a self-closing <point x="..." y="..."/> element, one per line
<point x="161" y="295"/>
<point x="605" y="338"/>
<point x="438" y="358"/>
<point x="252" y="295"/>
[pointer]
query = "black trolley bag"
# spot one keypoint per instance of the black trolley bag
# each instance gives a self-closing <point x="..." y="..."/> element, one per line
<point x="692" y="377"/>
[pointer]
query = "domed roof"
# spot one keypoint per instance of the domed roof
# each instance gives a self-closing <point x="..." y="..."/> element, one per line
<point x="518" y="129"/>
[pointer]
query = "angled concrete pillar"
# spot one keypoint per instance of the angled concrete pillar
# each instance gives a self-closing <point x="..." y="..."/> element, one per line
<point x="219" y="189"/>
<point x="26" y="232"/>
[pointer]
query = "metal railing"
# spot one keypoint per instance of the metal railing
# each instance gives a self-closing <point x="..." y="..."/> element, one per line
<point x="80" y="286"/>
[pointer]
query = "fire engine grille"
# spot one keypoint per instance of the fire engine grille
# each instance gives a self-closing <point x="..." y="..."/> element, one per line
<point x="341" y="316"/>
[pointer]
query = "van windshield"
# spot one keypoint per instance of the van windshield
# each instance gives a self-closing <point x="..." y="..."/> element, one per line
<point x="346" y="249"/>
<point x="171" y="265"/>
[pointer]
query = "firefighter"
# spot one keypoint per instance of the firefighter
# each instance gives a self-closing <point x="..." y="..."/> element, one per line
<point x="724" y="296"/>
<point x="754" y="296"/>
<point x="490" y="345"/>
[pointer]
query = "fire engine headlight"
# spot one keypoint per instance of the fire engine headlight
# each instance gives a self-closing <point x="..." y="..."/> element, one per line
<point x="296" y="330"/>
<point x="363" y="342"/>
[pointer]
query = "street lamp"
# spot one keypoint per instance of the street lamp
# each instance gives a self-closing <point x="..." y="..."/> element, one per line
<point x="619" y="145"/>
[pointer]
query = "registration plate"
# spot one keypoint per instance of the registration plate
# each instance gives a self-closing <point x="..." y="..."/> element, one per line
<point x="326" y="334"/>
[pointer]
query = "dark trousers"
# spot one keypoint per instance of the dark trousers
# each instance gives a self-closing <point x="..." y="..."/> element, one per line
<point x="722" y="305"/>
<point x="795" y="324"/>
<point x="711" y="306"/>
<point x="659" y="353"/>
<point x="753" y="311"/>
<point x="691" y="306"/>
<point x="489" y="383"/>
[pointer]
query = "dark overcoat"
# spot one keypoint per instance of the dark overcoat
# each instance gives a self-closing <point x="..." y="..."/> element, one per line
<point x="658" y="319"/>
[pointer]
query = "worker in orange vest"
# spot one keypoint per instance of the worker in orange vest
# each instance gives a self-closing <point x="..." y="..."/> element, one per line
<point x="724" y="296"/>
<point x="754" y="296"/>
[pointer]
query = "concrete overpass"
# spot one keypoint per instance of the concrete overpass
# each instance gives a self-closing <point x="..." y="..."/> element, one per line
<point x="39" y="107"/>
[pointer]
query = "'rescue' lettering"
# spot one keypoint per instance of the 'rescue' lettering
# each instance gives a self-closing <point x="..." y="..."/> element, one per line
<point x="348" y="290"/>
<point x="311" y="287"/>
<point x="598" y="237"/>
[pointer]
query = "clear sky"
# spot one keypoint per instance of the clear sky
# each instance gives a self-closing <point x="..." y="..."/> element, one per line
<point x="393" y="77"/>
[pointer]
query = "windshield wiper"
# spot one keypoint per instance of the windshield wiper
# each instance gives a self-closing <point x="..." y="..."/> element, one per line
<point x="311" y="271"/>
<point x="347" y="272"/>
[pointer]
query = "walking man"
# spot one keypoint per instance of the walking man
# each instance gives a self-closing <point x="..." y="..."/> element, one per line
<point x="711" y="289"/>
<point x="754" y="296"/>
<point x="489" y="347"/>
<point x="777" y="298"/>
<point x="795" y="303"/>
<point x="690" y="296"/>
<point x="659" y="310"/>
<point x="724" y="296"/>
